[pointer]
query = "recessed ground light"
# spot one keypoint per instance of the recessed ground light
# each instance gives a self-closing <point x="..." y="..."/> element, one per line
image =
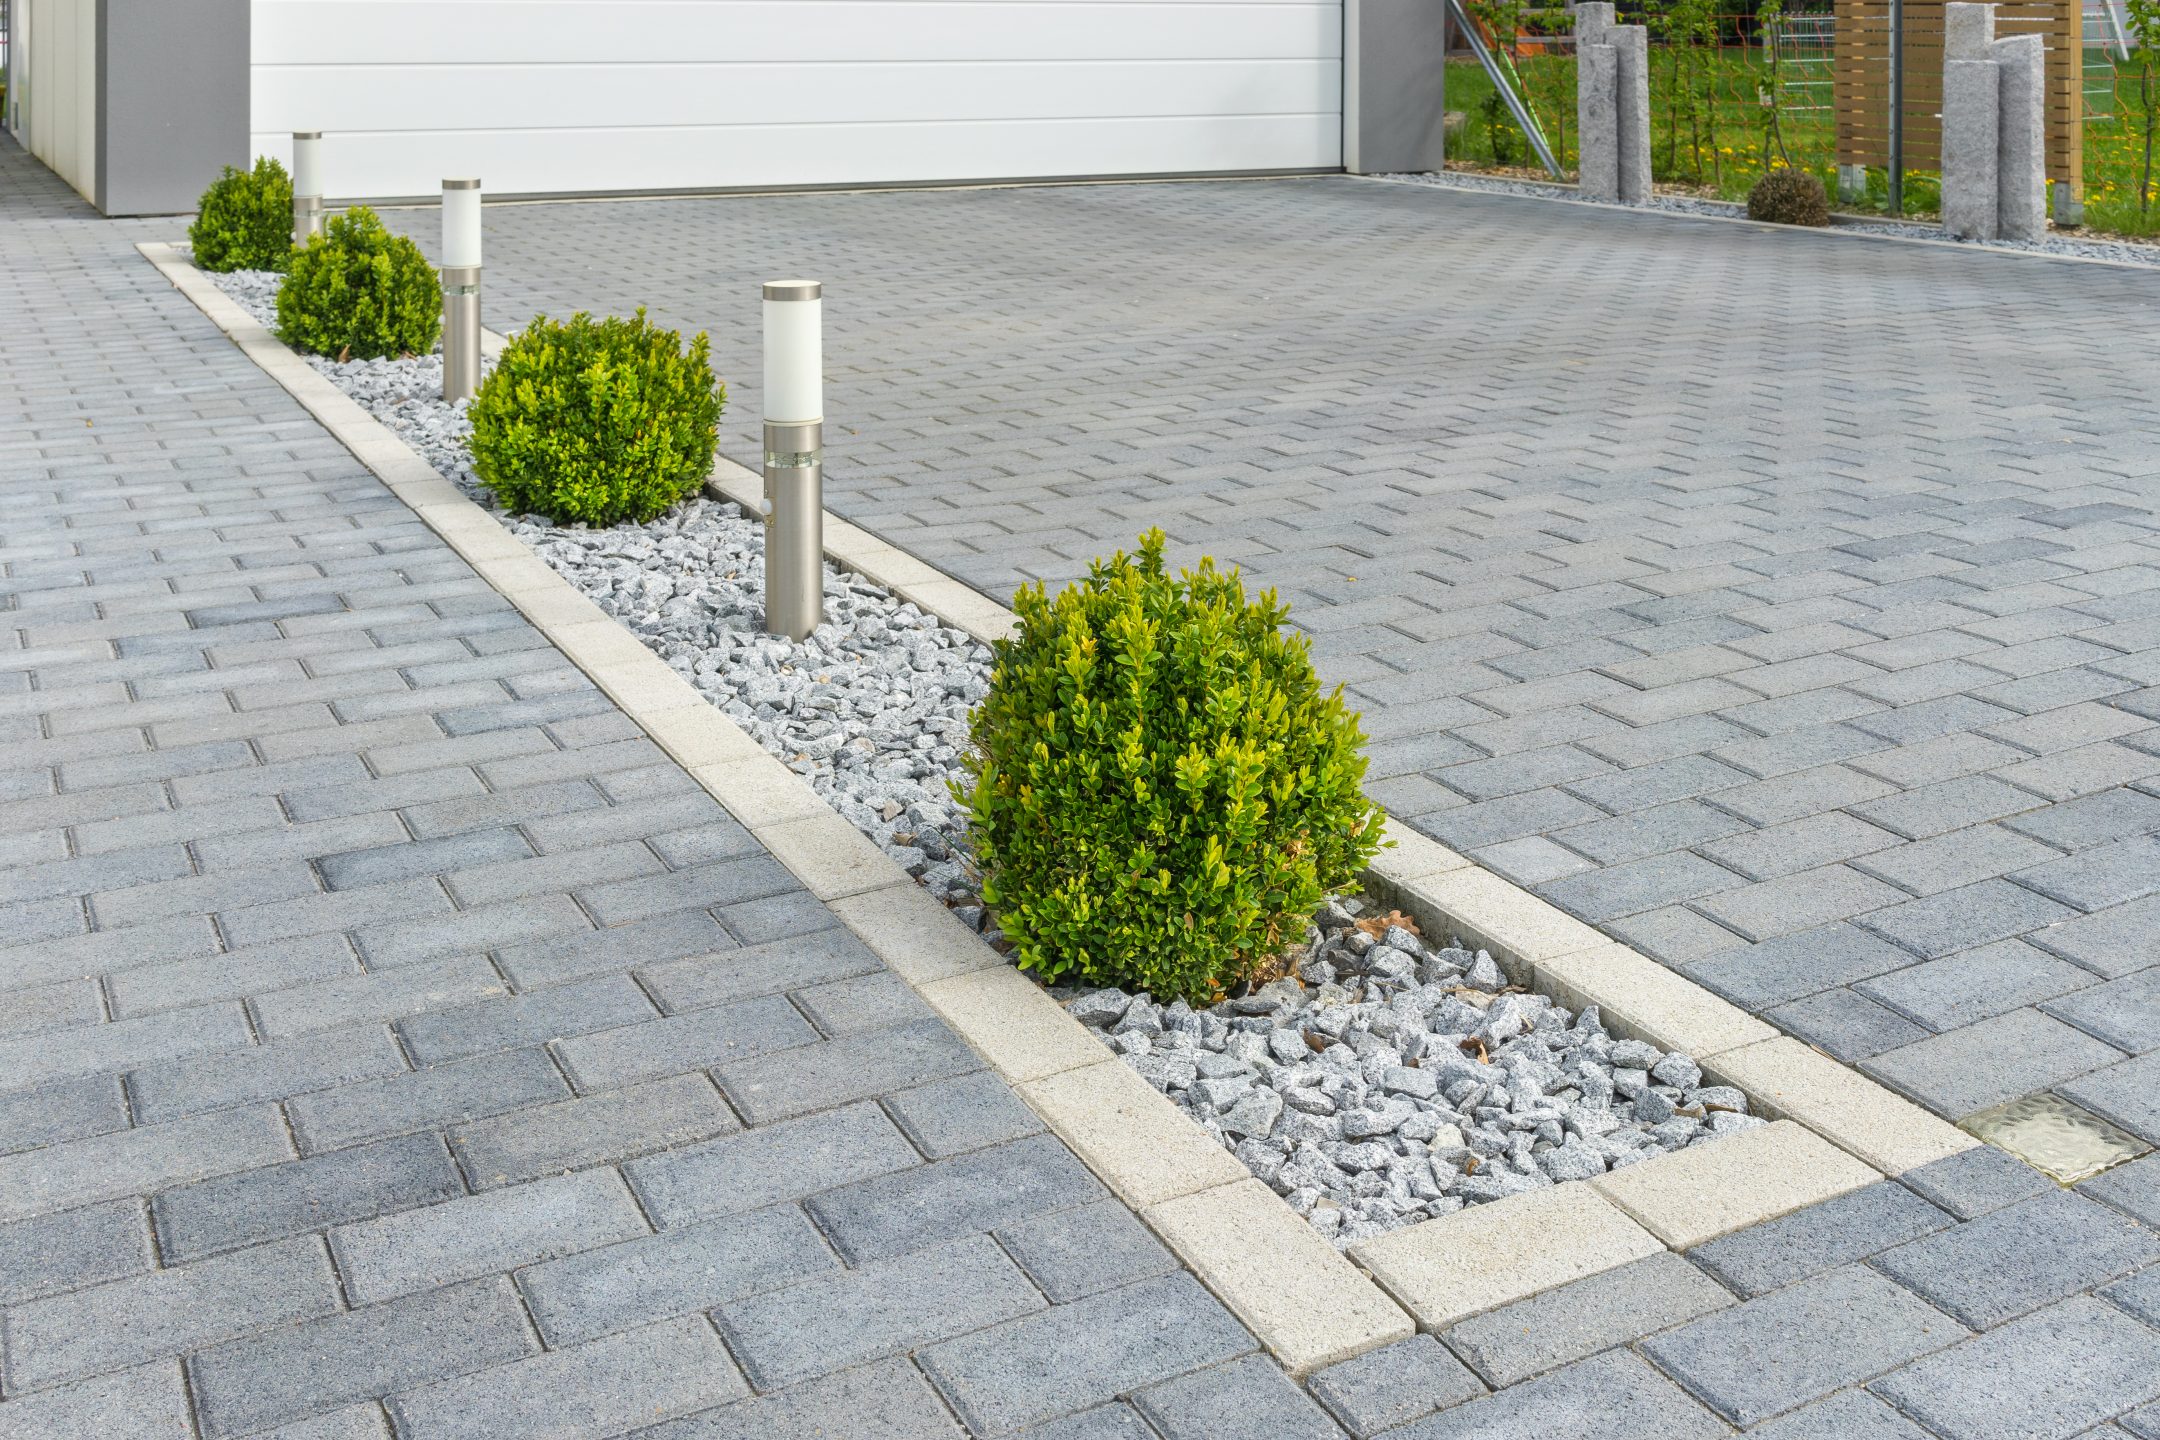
<point x="2055" y="1136"/>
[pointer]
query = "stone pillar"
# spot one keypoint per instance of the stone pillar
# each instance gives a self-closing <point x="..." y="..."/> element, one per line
<point x="1631" y="110"/>
<point x="1970" y="193"/>
<point x="2021" y="155"/>
<point x="1968" y="30"/>
<point x="1596" y="143"/>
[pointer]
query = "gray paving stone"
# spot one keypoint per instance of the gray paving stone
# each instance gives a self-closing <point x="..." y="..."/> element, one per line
<point x="867" y="1003"/>
<point x="1614" y="1396"/>
<point x="317" y="1366"/>
<point x="1070" y="1357"/>
<point x="606" y="1059"/>
<point x="425" y="1099"/>
<point x="265" y="1072"/>
<point x="929" y="1204"/>
<point x="1779" y="1351"/>
<point x="234" y="975"/>
<point x="167" y="1312"/>
<point x="596" y="1388"/>
<point x="1791" y="966"/>
<point x="1976" y="1181"/>
<point x="2140" y="1295"/>
<point x="139" y="1161"/>
<point x="385" y="995"/>
<point x="1990" y="1061"/>
<point x="382" y="864"/>
<point x="72" y="1249"/>
<point x="1821" y="1237"/>
<point x="304" y="1195"/>
<point x="2020" y="1258"/>
<point x="1513" y="1343"/>
<point x="67" y="1110"/>
<point x="543" y="1015"/>
<point x="48" y="1007"/>
<point x="353" y="1422"/>
<point x="46" y="1056"/>
<point x="1962" y="918"/>
<point x="1847" y="1415"/>
<point x="2133" y="1189"/>
<point x="571" y="956"/>
<point x="2111" y="943"/>
<point x="1394" y="1385"/>
<point x="707" y="886"/>
<point x="1104" y="1422"/>
<point x="707" y="979"/>
<point x="885" y="1400"/>
<point x="1074" y="1253"/>
<point x="1976" y="984"/>
<point x="2128" y="1094"/>
<point x="834" y="1072"/>
<point x="604" y="1128"/>
<point x="677" y="1272"/>
<point x="1247" y="1399"/>
<point x="771" y="1163"/>
<point x="147" y="1403"/>
<point x="476" y="1235"/>
<point x="2048" y="1375"/>
<point x="2125" y="1013"/>
<point x="831" y="1322"/>
<point x="486" y="927"/>
<point x="966" y="1112"/>
<point x="1845" y="1023"/>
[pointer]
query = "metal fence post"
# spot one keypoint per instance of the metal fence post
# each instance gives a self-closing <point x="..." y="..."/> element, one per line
<point x="1897" y="107"/>
<point x="307" y="193"/>
<point x="460" y="288"/>
<point x="794" y="457"/>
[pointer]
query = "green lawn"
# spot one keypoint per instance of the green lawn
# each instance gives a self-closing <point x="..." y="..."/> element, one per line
<point x="1709" y="132"/>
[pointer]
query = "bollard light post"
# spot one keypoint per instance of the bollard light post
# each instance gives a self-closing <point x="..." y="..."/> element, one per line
<point x="307" y="191"/>
<point x="794" y="457"/>
<point x="460" y="289"/>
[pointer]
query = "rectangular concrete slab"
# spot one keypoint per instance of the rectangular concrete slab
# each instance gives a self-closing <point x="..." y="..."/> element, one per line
<point x="1139" y="1143"/>
<point x="1486" y="1256"/>
<point x="1693" y="1195"/>
<point x="1786" y="1078"/>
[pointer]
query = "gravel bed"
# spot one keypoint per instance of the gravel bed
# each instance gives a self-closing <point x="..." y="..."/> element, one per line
<point x="2120" y="251"/>
<point x="1386" y="1082"/>
<point x="871" y="709"/>
<point x="1392" y="1082"/>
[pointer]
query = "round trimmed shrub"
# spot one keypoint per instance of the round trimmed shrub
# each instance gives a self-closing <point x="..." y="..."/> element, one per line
<point x="357" y="292"/>
<point x="1789" y="197"/>
<point x="244" y="221"/>
<point x="597" y="421"/>
<point x="1159" y="791"/>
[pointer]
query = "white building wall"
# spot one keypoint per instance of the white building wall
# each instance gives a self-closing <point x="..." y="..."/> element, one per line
<point x="58" y="43"/>
<point x="541" y="96"/>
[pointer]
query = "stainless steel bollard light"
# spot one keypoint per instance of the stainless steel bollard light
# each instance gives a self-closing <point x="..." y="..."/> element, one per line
<point x="460" y="289"/>
<point x="794" y="457"/>
<point x="307" y="192"/>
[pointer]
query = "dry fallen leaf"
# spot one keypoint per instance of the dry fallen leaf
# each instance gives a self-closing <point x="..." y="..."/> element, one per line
<point x="1377" y="925"/>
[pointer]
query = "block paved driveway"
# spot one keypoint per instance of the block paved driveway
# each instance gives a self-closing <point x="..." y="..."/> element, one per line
<point x="393" y="1043"/>
<point x="1786" y="605"/>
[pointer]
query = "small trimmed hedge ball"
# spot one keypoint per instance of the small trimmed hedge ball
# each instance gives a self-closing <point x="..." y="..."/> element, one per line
<point x="357" y="292"/>
<point x="597" y="421"/>
<point x="1789" y="197"/>
<point x="244" y="221"/>
<point x="1159" y="792"/>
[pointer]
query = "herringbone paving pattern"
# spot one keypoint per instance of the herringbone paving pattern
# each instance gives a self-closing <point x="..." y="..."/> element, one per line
<point x="1785" y="604"/>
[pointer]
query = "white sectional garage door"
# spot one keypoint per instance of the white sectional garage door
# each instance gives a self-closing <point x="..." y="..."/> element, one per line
<point x="551" y="96"/>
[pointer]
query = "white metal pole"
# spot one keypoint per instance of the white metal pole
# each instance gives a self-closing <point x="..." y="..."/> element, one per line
<point x="307" y="188"/>
<point x="461" y="288"/>
<point x="794" y="457"/>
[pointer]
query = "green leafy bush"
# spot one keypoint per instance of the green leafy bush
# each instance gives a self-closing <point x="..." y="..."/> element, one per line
<point x="244" y="221"/>
<point x="1789" y="197"/>
<point x="359" y="292"/>
<point x="1160" y="793"/>
<point x="597" y="420"/>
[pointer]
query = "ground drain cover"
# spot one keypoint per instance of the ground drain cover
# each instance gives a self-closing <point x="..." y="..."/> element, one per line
<point x="2053" y="1135"/>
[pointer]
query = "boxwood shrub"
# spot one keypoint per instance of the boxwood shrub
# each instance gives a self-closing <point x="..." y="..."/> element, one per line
<point x="597" y="421"/>
<point x="244" y="221"/>
<point x="1159" y="791"/>
<point x="359" y="292"/>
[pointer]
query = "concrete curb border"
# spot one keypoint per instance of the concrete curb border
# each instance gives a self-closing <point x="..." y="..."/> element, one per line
<point x="1307" y="1303"/>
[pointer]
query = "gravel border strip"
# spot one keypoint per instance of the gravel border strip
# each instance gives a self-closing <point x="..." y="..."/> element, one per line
<point x="1308" y="1305"/>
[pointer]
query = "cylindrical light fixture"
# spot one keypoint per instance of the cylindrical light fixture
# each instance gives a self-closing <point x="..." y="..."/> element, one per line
<point x="794" y="457"/>
<point x="460" y="288"/>
<point x="307" y="185"/>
